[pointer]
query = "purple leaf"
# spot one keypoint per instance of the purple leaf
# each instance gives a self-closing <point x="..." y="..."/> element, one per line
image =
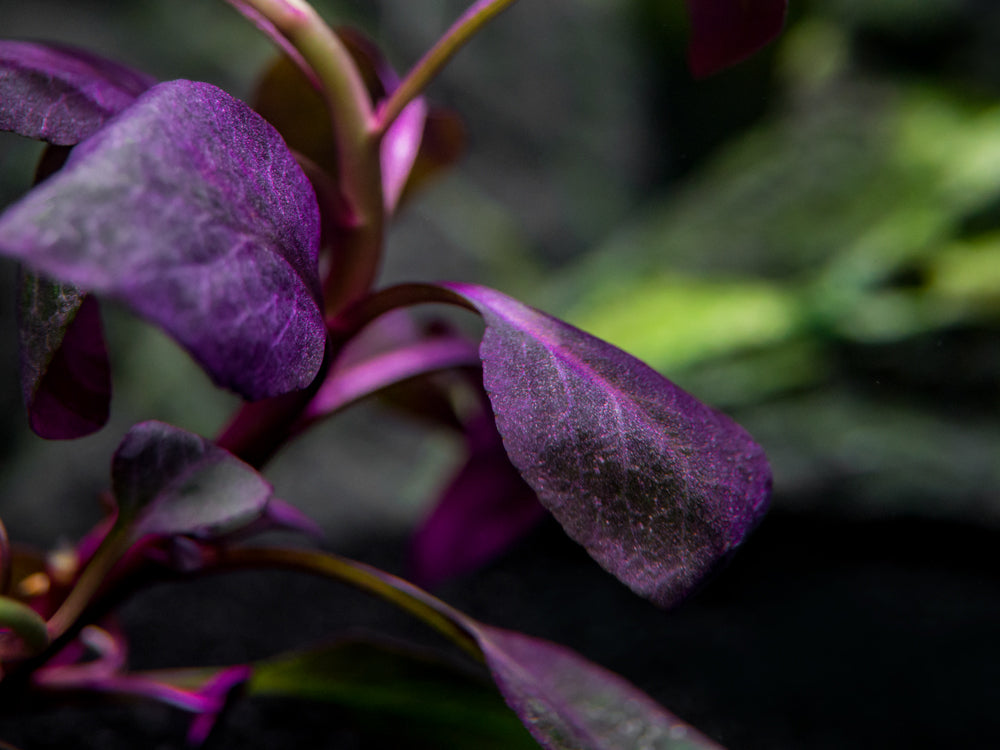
<point x="725" y="32"/>
<point x="484" y="509"/>
<point x="60" y="94"/>
<point x="167" y="481"/>
<point x="65" y="373"/>
<point x="658" y="487"/>
<point x="220" y="242"/>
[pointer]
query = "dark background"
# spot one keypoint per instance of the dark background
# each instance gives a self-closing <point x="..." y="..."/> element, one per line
<point x="808" y="241"/>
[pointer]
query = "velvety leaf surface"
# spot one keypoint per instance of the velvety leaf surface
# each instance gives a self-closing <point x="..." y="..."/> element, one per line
<point x="725" y="32"/>
<point x="65" y="374"/>
<point x="657" y="486"/>
<point x="60" y="94"/>
<point x="220" y="245"/>
<point x="169" y="481"/>
<point x="398" y="692"/>
<point x="485" y="508"/>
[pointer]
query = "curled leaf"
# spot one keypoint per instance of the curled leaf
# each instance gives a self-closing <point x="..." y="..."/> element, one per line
<point x="220" y="246"/>
<point x="60" y="94"/>
<point x="725" y="32"/>
<point x="658" y="487"/>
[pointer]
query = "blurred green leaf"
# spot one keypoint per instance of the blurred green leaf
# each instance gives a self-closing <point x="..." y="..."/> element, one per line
<point x="391" y="690"/>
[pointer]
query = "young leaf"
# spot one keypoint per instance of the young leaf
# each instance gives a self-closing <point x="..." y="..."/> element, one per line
<point x="167" y="481"/>
<point x="725" y="32"/>
<point x="393" y="690"/>
<point x="65" y="374"/>
<point x="220" y="242"/>
<point x="657" y="486"/>
<point x="60" y="94"/>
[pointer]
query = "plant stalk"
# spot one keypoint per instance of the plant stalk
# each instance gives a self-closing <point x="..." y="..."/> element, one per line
<point x="396" y="591"/>
<point x="468" y="25"/>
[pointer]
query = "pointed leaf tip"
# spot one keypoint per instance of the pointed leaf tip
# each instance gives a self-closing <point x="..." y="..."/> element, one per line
<point x="657" y="486"/>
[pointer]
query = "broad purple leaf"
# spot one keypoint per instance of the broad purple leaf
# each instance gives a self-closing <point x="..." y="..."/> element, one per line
<point x="725" y="32"/>
<point x="657" y="486"/>
<point x="60" y="94"/>
<point x="484" y="509"/>
<point x="189" y="208"/>
<point x="65" y="374"/>
<point x="167" y="481"/>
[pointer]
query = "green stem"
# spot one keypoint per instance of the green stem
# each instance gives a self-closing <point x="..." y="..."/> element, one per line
<point x="396" y="591"/>
<point x="352" y="119"/>
<point x="468" y="25"/>
<point x="25" y="622"/>
<point x="91" y="580"/>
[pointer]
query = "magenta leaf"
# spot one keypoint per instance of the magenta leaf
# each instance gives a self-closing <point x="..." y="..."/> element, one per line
<point x="167" y="482"/>
<point x="484" y="509"/>
<point x="725" y="32"/>
<point x="220" y="242"/>
<point x="658" y="487"/>
<point x="65" y="374"/>
<point x="60" y="94"/>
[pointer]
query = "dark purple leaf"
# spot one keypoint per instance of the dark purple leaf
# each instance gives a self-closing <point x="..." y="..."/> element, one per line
<point x="569" y="703"/>
<point x="167" y="481"/>
<point x="484" y="509"/>
<point x="65" y="375"/>
<point x="657" y="486"/>
<point x="219" y="245"/>
<point x="60" y="94"/>
<point x="725" y="32"/>
<point x="565" y="701"/>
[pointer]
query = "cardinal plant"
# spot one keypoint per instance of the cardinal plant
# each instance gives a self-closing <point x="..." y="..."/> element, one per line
<point x="252" y="235"/>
